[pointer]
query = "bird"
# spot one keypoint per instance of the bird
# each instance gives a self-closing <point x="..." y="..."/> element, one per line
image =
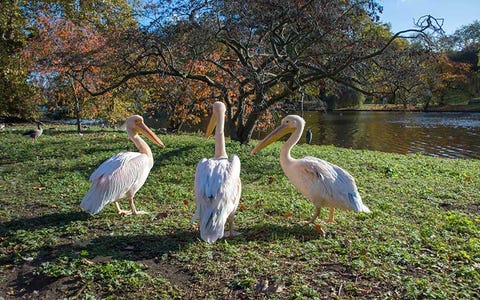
<point x="123" y="174"/>
<point x="217" y="184"/>
<point x="34" y="133"/>
<point x="309" y="136"/>
<point x="323" y="183"/>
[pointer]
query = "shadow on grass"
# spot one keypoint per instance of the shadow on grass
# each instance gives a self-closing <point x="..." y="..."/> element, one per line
<point x="169" y="154"/>
<point x="152" y="249"/>
<point x="50" y="220"/>
<point x="275" y="232"/>
<point x="146" y="246"/>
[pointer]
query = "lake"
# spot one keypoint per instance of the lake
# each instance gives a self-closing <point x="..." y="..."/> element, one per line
<point x="445" y="134"/>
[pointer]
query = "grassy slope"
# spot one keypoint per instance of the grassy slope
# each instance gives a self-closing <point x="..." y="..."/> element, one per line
<point x="421" y="241"/>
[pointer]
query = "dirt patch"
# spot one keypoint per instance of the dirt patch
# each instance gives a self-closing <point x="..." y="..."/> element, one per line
<point x="21" y="282"/>
<point x="472" y="208"/>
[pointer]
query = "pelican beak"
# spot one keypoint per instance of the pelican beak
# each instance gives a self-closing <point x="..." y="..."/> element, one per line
<point x="149" y="134"/>
<point x="211" y="125"/>
<point x="272" y="137"/>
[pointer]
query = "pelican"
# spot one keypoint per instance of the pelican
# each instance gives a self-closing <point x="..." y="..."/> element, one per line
<point x="34" y="133"/>
<point x="123" y="174"/>
<point x="325" y="184"/>
<point x="217" y="184"/>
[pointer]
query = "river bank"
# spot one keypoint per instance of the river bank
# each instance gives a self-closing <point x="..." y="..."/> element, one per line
<point x="399" y="107"/>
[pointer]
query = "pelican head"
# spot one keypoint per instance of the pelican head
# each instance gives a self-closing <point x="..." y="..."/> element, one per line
<point x="135" y="125"/>
<point x="218" y="112"/>
<point x="290" y="124"/>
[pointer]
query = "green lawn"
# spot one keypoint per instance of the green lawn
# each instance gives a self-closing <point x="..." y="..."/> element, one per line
<point x="422" y="239"/>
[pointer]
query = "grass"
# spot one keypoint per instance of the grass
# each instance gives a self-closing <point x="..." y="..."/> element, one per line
<point x="421" y="241"/>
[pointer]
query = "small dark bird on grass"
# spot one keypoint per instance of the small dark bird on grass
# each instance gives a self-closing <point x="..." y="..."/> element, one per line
<point x="309" y="136"/>
<point x="34" y="133"/>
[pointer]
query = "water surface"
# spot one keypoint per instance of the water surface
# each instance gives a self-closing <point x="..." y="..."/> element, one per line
<point x="453" y="135"/>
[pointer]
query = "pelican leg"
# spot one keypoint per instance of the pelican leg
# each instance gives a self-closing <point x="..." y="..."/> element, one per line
<point x="121" y="211"/>
<point x="231" y="232"/>
<point x="315" y="215"/>
<point x="330" y="215"/>
<point x="134" y="209"/>
<point x="318" y="227"/>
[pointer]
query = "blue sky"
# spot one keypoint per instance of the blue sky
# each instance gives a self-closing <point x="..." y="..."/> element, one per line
<point x="401" y="13"/>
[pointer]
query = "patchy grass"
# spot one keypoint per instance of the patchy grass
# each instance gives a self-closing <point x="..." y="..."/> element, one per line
<point x="422" y="239"/>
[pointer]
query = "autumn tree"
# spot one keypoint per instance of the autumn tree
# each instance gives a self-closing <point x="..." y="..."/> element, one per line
<point x="259" y="53"/>
<point x="73" y="42"/>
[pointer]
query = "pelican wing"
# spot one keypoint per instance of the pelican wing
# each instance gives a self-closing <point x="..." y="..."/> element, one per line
<point x="332" y="184"/>
<point x="119" y="176"/>
<point x="217" y="193"/>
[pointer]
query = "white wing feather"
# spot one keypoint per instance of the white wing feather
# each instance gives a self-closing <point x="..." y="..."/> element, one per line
<point x="119" y="176"/>
<point x="329" y="185"/>
<point x="217" y="194"/>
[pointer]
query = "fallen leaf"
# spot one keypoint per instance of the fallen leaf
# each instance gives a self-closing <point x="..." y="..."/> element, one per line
<point x="185" y="201"/>
<point x="242" y="207"/>
<point x="468" y="178"/>
<point x="54" y="206"/>
<point x="288" y="214"/>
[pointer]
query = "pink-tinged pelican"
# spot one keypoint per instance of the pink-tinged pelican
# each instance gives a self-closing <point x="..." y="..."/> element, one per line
<point x="123" y="174"/>
<point x="325" y="184"/>
<point x="217" y="184"/>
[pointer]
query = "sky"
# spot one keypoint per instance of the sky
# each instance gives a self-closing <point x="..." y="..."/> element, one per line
<point x="456" y="13"/>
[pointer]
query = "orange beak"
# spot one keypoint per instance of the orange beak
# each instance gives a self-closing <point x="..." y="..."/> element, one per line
<point x="211" y="125"/>
<point x="149" y="134"/>
<point x="272" y="137"/>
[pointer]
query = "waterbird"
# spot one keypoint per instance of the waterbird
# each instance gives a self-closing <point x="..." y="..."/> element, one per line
<point x="123" y="174"/>
<point x="323" y="183"/>
<point x="309" y="136"/>
<point x="34" y="133"/>
<point x="217" y="184"/>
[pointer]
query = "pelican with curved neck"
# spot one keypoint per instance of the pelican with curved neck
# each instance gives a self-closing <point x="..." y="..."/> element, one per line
<point x="123" y="174"/>
<point x="323" y="183"/>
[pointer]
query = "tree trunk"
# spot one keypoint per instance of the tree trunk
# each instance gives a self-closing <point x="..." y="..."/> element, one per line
<point x="244" y="132"/>
<point x="76" y="107"/>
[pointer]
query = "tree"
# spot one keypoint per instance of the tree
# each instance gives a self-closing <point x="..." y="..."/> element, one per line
<point x="261" y="52"/>
<point x="446" y="76"/>
<point x="16" y="96"/>
<point x="71" y="44"/>
<point x="462" y="48"/>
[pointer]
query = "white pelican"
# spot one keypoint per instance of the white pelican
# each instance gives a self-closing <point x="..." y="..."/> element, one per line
<point x="34" y="133"/>
<point x="217" y="184"/>
<point x="123" y="174"/>
<point x="325" y="184"/>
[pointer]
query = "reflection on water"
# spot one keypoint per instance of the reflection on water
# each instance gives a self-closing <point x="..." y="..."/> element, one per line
<point x="454" y="135"/>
